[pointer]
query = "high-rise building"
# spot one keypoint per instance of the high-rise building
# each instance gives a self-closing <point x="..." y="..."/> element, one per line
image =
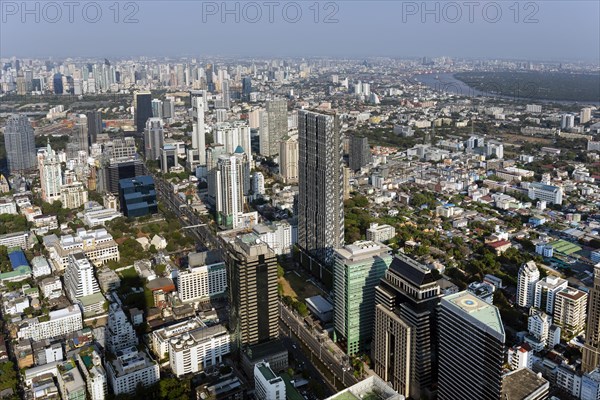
<point x="19" y="142"/>
<point x="471" y="348"/>
<point x="142" y="106"/>
<point x="258" y="184"/>
<point x="545" y="292"/>
<point x="360" y="153"/>
<point x="197" y="156"/>
<point x="288" y="160"/>
<point x="137" y="196"/>
<point x="321" y="191"/>
<point x="229" y="184"/>
<point x="154" y="138"/>
<point x="94" y="121"/>
<point x="157" y="108"/>
<point x="529" y="275"/>
<point x="225" y="95"/>
<point x="585" y="116"/>
<point x="79" y="277"/>
<point x="119" y="331"/>
<point x="80" y="138"/>
<point x="73" y="195"/>
<point x="273" y="127"/>
<point x="567" y="121"/>
<point x="50" y="174"/>
<point x="404" y="347"/>
<point x="570" y="310"/>
<point x="246" y="88"/>
<point x="357" y="270"/>
<point x="591" y="349"/>
<point x="252" y="283"/>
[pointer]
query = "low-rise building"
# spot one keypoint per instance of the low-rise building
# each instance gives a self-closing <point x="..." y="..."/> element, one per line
<point x="97" y="245"/>
<point x="56" y="323"/>
<point x="268" y="386"/>
<point x="130" y="369"/>
<point x="380" y="233"/>
<point x="196" y="350"/>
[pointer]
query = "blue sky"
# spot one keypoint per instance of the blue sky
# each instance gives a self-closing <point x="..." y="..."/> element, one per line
<point x="539" y="30"/>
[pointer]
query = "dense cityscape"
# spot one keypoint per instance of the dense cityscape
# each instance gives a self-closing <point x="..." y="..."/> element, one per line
<point x="299" y="228"/>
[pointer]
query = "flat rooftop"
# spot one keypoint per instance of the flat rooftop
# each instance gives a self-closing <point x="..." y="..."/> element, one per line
<point x="485" y="314"/>
<point x="522" y="383"/>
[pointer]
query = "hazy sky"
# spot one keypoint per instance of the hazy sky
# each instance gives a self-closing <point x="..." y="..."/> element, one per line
<point x="543" y="30"/>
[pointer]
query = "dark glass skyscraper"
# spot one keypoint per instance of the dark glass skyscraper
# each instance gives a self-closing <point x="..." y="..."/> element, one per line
<point x="404" y="345"/>
<point x="359" y="152"/>
<point x="94" y="122"/>
<point x="142" y="103"/>
<point x="246" y="88"/>
<point x="471" y="348"/>
<point x="321" y="189"/>
<point x="19" y="142"/>
<point x="58" y="84"/>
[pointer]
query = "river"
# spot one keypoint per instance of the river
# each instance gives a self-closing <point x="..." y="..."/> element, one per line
<point x="448" y="83"/>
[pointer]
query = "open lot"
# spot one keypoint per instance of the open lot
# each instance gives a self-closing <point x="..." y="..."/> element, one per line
<point x="297" y="286"/>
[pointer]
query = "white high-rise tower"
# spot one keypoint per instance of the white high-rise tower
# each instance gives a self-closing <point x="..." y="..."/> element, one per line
<point x="528" y="277"/>
<point x="50" y="174"/>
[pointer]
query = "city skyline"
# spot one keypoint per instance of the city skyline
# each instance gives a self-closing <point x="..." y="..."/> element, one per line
<point x="528" y="32"/>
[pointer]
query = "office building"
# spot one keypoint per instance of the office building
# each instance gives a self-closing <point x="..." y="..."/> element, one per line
<point x="58" y="323"/>
<point x="197" y="350"/>
<point x="545" y="292"/>
<point x="548" y="193"/>
<point x="590" y="385"/>
<point x="358" y="269"/>
<point x="137" y="196"/>
<point x="205" y="278"/>
<point x="119" y="331"/>
<point x="246" y="88"/>
<point x="94" y="126"/>
<point x="591" y="349"/>
<point x="97" y="245"/>
<point x="288" y="160"/>
<point x="168" y="158"/>
<point x="229" y="184"/>
<point x="73" y="195"/>
<point x="130" y="369"/>
<point x="321" y="189"/>
<point x="268" y="386"/>
<point x="471" y="348"/>
<point x="404" y="347"/>
<point x="273" y="127"/>
<point x="570" y="310"/>
<point x="360" y="152"/>
<point x="225" y="95"/>
<point x="252" y="283"/>
<point x="120" y="168"/>
<point x="50" y="174"/>
<point x="198" y="151"/>
<point x="80" y="139"/>
<point x="528" y="276"/>
<point x="19" y="143"/>
<point x="168" y="112"/>
<point x="79" y="277"/>
<point x="142" y="105"/>
<point x="157" y="108"/>
<point x="154" y="138"/>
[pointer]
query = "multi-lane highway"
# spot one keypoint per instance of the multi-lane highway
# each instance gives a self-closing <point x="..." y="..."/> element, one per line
<point x="334" y="361"/>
